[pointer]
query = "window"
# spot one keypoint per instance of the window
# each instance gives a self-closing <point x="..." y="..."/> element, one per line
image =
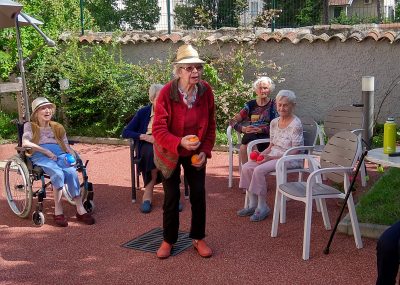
<point x="253" y="9"/>
<point x="337" y="11"/>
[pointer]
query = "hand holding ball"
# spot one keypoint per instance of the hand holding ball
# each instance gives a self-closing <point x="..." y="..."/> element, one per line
<point x="195" y="159"/>
<point x="254" y="155"/>
<point x="260" y="158"/>
<point x="194" y="139"/>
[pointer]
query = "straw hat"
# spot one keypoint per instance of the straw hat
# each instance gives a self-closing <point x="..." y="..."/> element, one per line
<point x="187" y="54"/>
<point x="41" y="101"/>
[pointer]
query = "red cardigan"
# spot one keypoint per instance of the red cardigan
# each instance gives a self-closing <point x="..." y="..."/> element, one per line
<point x="168" y="125"/>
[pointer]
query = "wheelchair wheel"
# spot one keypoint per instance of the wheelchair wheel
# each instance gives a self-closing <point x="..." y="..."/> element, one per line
<point x="38" y="218"/>
<point x="89" y="206"/>
<point x="18" y="186"/>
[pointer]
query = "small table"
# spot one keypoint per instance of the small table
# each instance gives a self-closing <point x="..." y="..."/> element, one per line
<point x="377" y="156"/>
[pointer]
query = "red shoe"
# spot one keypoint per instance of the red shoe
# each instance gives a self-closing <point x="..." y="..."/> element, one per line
<point x="164" y="251"/>
<point x="60" y="220"/>
<point x="85" y="218"/>
<point x="202" y="248"/>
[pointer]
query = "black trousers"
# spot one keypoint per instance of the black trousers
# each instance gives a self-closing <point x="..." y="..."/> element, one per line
<point x="387" y="255"/>
<point x="196" y="180"/>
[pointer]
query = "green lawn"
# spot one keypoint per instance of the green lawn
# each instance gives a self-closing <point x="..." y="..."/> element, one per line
<point x="381" y="204"/>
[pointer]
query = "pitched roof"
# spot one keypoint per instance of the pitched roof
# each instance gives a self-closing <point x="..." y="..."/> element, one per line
<point x="340" y="2"/>
<point x="324" y="33"/>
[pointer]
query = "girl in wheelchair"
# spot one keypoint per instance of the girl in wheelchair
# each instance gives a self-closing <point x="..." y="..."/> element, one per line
<point x="48" y="146"/>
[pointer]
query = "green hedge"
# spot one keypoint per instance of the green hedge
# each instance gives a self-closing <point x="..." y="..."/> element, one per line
<point x="105" y="91"/>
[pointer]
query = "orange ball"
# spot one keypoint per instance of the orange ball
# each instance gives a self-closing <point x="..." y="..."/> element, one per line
<point x="195" y="159"/>
<point x="194" y="139"/>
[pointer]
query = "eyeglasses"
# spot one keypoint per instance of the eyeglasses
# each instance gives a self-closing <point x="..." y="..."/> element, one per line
<point x="191" y="68"/>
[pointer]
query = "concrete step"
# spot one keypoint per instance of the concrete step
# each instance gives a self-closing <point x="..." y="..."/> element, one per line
<point x="366" y="230"/>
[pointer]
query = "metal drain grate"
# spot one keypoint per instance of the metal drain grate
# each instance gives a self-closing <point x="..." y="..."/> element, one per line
<point x="151" y="241"/>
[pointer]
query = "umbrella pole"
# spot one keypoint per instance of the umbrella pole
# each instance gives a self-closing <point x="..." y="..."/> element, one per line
<point x="25" y="108"/>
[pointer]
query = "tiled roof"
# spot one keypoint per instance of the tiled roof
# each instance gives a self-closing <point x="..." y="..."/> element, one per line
<point x="359" y="33"/>
<point x="340" y="2"/>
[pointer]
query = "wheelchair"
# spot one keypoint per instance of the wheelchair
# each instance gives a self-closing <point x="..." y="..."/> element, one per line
<point x="24" y="181"/>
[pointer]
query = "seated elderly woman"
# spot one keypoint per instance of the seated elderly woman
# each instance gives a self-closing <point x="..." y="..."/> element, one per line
<point x="140" y="128"/>
<point x="255" y="117"/>
<point x="286" y="131"/>
<point x="49" y="147"/>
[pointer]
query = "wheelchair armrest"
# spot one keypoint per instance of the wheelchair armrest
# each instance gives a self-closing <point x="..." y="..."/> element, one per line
<point x="22" y="148"/>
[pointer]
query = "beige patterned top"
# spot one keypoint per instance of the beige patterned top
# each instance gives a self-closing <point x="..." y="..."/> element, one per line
<point x="285" y="138"/>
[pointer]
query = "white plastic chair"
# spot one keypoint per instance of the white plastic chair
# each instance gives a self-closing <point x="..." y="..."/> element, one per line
<point x="337" y="162"/>
<point x="311" y="132"/>
<point x="233" y="148"/>
<point x="345" y="118"/>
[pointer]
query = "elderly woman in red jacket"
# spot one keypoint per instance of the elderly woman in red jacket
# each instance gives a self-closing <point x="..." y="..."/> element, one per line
<point x="184" y="133"/>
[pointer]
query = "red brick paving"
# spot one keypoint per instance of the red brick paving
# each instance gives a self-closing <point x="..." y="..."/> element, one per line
<point x="244" y="251"/>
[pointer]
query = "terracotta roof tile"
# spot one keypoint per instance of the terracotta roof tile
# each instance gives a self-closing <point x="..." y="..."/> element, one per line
<point x="339" y="2"/>
<point x="389" y="35"/>
<point x="358" y="36"/>
<point x="373" y="34"/>
<point x="175" y="37"/>
<point x="323" y="37"/>
<point x="291" y="36"/>
<point x="340" y="36"/>
<point x="308" y="37"/>
<point x="325" y="33"/>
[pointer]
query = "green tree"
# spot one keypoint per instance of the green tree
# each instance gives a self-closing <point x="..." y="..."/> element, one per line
<point x="141" y="14"/>
<point x="57" y="16"/>
<point x="397" y="12"/>
<point x="296" y="13"/>
<point x="310" y="14"/>
<point x="210" y="14"/>
<point x="105" y="13"/>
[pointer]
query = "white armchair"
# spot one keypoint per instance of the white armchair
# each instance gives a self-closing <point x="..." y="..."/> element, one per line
<point x="230" y="132"/>
<point x="311" y="132"/>
<point x="336" y="163"/>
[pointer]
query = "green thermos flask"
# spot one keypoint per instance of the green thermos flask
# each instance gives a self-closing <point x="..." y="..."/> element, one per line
<point x="389" y="136"/>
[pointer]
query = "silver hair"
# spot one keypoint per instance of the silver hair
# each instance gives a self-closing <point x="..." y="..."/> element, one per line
<point x="154" y="88"/>
<point x="264" y="79"/>
<point x="289" y="94"/>
<point x="175" y="69"/>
